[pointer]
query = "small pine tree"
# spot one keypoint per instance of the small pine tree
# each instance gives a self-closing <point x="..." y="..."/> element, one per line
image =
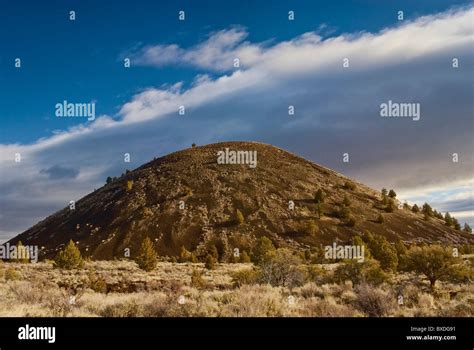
<point x="108" y="180"/>
<point x="406" y="206"/>
<point x="415" y="208"/>
<point x="467" y="228"/>
<point x="193" y="145"/>
<point x="427" y="210"/>
<point x="319" y="196"/>
<point x="263" y="247"/>
<point x="147" y="257"/>
<point x="392" y="194"/>
<point x="244" y="258"/>
<point x="69" y="258"/>
<point x="214" y="252"/>
<point x="210" y="263"/>
<point x="384" y="192"/>
<point x="448" y="220"/>
<point x="239" y="217"/>
<point x="456" y="224"/>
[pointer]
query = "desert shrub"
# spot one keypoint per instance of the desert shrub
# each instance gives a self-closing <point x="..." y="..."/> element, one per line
<point x="244" y="257"/>
<point x="263" y="246"/>
<point x="435" y="262"/>
<point x="11" y="274"/>
<point x="147" y="257"/>
<point x="351" y="221"/>
<point x="346" y="201"/>
<point x="185" y="255"/>
<point x="466" y="249"/>
<point x="343" y="213"/>
<point x="317" y="274"/>
<point x="380" y="219"/>
<point x="390" y="208"/>
<point x="239" y="217"/>
<point x="129" y="308"/>
<point x="129" y="185"/>
<point x="328" y="307"/>
<point x="281" y="267"/>
<point x="375" y="302"/>
<point x="348" y="185"/>
<point x="319" y="196"/>
<point x="197" y="281"/>
<point x="69" y="258"/>
<point x="368" y="271"/>
<point x="96" y="282"/>
<point x="312" y="228"/>
<point x="244" y="276"/>
<point x="210" y="262"/>
<point x="213" y="252"/>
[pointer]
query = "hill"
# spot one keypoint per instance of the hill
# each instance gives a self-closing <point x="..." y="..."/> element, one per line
<point x="188" y="199"/>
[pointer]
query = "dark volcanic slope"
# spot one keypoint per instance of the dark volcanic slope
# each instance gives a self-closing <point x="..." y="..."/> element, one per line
<point x="111" y="219"/>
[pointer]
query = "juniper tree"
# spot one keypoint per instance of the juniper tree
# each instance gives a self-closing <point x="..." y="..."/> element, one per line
<point x="147" y="257"/>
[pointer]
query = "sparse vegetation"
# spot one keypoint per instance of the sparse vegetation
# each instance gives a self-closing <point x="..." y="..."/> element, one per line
<point x="239" y="217"/>
<point x="69" y="258"/>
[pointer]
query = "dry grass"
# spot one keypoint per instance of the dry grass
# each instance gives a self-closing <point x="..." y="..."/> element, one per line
<point x="120" y="289"/>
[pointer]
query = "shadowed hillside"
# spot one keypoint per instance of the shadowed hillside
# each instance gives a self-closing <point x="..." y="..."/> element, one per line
<point x="148" y="201"/>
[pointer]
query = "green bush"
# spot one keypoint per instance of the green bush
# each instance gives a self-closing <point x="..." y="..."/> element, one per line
<point x="281" y="267"/>
<point x="382" y="251"/>
<point x="69" y="258"/>
<point x="435" y="262"/>
<point x="368" y="271"/>
<point x="244" y="276"/>
<point x="147" y="257"/>
<point x="263" y="246"/>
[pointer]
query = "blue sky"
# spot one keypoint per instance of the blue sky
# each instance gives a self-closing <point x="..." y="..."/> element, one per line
<point x="186" y="62"/>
